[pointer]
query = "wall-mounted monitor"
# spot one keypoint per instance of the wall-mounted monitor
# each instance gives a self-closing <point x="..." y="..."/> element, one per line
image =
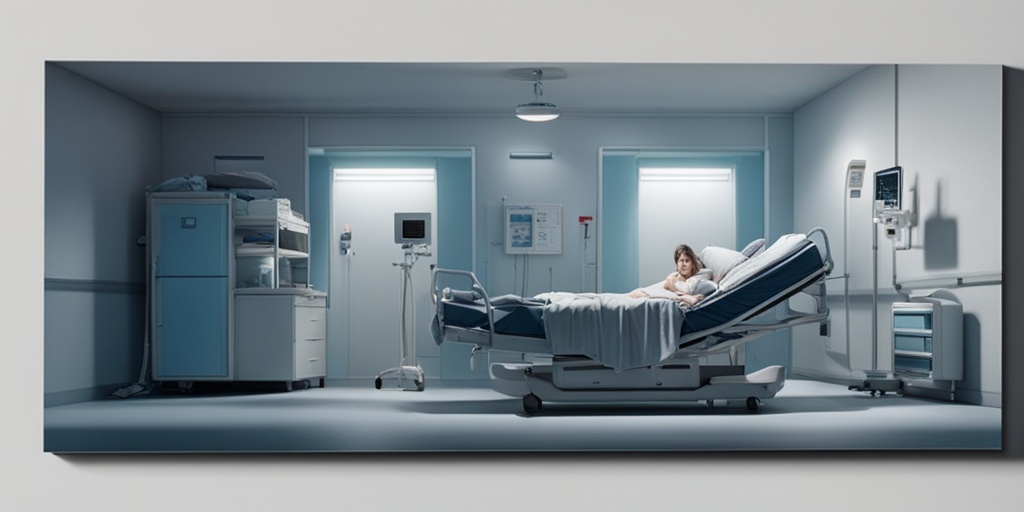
<point x="412" y="228"/>
<point x="889" y="188"/>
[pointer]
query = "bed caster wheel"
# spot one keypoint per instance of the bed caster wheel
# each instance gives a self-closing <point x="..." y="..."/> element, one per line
<point x="531" y="403"/>
<point x="753" y="404"/>
<point x="377" y="383"/>
<point x="420" y="385"/>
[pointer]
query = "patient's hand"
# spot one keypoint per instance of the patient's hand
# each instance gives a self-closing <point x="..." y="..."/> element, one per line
<point x="690" y="300"/>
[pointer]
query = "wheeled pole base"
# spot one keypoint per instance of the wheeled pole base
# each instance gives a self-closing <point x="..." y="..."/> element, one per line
<point x="878" y="383"/>
<point x="404" y="378"/>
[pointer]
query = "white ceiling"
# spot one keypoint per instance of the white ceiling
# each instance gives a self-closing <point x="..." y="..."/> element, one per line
<point x="463" y="88"/>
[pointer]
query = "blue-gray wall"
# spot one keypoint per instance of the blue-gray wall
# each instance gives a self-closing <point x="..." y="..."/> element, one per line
<point x="620" y="263"/>
<point x="102" y="150"/>
<point x="321" y="177"/>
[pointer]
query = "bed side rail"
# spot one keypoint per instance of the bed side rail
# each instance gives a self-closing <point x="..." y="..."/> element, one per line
<point x="437" y="296"/>
<point x="827" y="256"/>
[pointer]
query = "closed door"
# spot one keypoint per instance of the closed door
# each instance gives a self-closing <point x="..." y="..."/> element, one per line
<point x="366" y="307"/>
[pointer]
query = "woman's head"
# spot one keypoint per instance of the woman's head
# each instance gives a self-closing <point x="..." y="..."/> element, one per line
<point x="687" y="263"/>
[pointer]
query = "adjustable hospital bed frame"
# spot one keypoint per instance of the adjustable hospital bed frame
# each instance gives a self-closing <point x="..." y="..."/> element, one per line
<point x="538" y="376"/>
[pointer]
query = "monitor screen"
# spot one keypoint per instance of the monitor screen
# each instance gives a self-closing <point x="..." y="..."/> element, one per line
<point x="412" y="228"/>
<point x="889" y="187"/>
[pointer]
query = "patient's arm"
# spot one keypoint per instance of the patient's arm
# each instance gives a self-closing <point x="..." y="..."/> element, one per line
<point x="670" y="282"/>
<point x="690" y="300"/>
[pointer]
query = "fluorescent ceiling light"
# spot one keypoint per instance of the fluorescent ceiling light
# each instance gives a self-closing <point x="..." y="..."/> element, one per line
<point x="384" y="174"/>
<point x="685" y="174"/>
<point x="537" y="112"/>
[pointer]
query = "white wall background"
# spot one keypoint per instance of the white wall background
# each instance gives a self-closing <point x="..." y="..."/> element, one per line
<point x="855" y="121"/>
<point x="673" y="212"/>
<point x="958" y="148"/>
<point x="951" y="148"/>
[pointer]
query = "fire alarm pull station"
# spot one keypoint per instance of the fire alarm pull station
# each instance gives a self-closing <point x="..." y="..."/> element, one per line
<point x="585" y="221"/>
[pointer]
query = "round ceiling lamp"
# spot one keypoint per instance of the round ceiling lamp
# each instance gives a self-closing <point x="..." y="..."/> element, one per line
<point x="536" y="111"/>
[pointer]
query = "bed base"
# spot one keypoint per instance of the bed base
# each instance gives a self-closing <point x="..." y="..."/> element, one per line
<point x="581" y="380"/>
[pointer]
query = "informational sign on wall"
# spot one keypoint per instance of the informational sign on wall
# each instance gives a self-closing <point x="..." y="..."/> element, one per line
<point x="533" y="229"/>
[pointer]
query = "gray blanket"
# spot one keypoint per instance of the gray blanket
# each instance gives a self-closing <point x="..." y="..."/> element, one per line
<point x="618" y="331"/>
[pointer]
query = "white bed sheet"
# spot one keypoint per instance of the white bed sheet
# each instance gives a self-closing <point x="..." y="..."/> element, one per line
<point x="614" y="329"/>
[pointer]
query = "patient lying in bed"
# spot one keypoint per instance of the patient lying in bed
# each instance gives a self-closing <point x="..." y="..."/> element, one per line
<point x="688" y="292"/>
<point x="688" y="285"/>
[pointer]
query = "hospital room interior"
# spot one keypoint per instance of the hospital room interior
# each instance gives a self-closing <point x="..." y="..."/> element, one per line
<point x="395" y="257"/>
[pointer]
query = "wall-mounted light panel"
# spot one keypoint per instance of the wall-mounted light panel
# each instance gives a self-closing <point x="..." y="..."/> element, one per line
<point x="686" y="173"/>
<point x="384" y="174"/>
<point x="530" y="155"/>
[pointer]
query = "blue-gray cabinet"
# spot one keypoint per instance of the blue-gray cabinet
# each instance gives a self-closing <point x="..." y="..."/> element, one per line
<point x="191" y="261"/>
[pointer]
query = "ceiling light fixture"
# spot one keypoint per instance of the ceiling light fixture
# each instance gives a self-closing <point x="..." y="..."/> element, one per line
<point x="379" y="174"/>
<point x="530" y="155"/>
<point x="685" y="174"/>
<point x="537" y="111"/>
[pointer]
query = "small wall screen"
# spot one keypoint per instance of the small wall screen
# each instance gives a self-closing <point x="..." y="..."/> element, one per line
<point x="412" y="228"/>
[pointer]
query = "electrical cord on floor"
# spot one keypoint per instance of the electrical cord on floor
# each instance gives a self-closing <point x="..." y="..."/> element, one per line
<point x="144" y="384"/>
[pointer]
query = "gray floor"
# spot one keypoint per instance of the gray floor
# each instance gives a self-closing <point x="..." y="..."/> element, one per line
<point x="355" y="417"/>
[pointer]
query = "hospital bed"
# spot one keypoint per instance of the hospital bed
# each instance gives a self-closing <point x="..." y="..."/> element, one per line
<point x="610" y="348"/>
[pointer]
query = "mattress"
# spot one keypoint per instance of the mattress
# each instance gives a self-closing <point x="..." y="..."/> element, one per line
<point x="741" y="299"/>
<point x="513" y="315"/>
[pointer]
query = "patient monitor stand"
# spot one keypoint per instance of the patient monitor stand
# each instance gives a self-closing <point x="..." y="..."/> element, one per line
<point x="407" y="375"/>
<point x="897" y="224"/>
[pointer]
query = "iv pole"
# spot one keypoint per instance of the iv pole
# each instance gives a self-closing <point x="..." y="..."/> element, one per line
<point x="407" y="375"/>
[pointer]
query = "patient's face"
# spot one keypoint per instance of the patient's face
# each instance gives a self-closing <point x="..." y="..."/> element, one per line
<point x="684" y="265"/>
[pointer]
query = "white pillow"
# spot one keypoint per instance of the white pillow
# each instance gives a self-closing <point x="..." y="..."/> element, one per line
<point x="720" y="260"/>
<point x="786" y="245"/>
<point x="753" y="248"/>
<point x="703" y="273"/>
<point x="697" y="285"/>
